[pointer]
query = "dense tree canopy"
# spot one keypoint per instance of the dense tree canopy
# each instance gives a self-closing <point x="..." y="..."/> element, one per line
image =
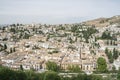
<point x="112" y="55"/>
<point x="9" y="74"/>
<point x="106" y="35"/>
<point x="74" y="68"/>
<point x="51" y="76"/>
<point x="102" y="66"/>
<point x="52" y="66"/>
<point x="109" y="55"/>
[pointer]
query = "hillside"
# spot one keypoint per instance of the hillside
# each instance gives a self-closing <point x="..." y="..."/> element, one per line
<point x="66" y="47"/>
<point x="103" y="22"/>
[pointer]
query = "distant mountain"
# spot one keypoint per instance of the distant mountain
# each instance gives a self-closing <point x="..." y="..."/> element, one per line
<point x="1" y="25"/>
<point x="102" y="22"/>
<point x="99" y="22"/>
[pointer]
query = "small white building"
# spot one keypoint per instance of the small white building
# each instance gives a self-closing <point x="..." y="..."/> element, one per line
<point x="116" y="63"/>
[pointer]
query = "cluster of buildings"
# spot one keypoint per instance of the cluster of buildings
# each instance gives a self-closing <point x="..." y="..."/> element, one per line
<point x="33" y="45"/>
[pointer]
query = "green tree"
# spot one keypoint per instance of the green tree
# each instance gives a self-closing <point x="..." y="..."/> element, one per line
<point x="74" y="28"/>
<point x="20" y="75"/>
<point x="80" y="77"/>
<point x="51" y="76"/>
<point x="7" y="74"/>
<point x="115" y="53"/>
<point x="96" y="77"/>
<point x="106" y="35"/>
<point x="13" y="30"/>
<point x="87" y="33"/>
<point x="52" y="66"/>
<point x="118" y="74"/>
<point x="21" y="67"/>
<point x="14" y="49"/>
<point x="106" y="51"/>
<point x="110" y="57"/>
<point x="107" y="42"/>
<point x="74" y="68"/>
<point x="31" y="75"/>
<point x="102" y="66"/>
<point x="5" y="46"/>
<point x="26" y="36"/>
<point x="113" y="69"/>
<point x="111" y="42"/>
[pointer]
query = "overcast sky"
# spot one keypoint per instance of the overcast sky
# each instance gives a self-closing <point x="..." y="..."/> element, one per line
<point x="56" y="11"/>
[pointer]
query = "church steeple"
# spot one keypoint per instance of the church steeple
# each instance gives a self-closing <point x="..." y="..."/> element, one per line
<point x="80" y="50"/>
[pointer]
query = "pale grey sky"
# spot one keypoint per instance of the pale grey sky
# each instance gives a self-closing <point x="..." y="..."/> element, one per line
<point x="56" y="11"/>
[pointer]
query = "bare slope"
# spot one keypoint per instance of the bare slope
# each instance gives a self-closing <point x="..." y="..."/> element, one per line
<point x="102" y="22"/>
